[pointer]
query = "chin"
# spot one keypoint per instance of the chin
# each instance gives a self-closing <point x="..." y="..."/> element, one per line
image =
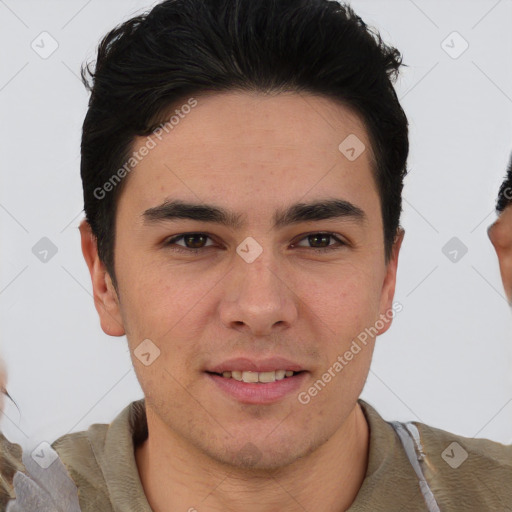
<point x="262" y="456"/>
<point x="250" y="457"/>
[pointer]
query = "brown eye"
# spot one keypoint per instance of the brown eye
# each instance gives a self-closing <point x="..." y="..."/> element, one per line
<point x="322" y="239"/>
<point x="194" y="242"/>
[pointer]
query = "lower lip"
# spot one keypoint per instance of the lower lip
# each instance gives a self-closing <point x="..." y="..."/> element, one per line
<point x="258" y="393"/>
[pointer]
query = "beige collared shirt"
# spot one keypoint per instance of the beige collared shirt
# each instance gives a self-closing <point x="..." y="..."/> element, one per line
<point x="101" y="462"/>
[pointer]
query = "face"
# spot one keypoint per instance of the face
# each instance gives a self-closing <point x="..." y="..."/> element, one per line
<point x="500" y="234"/>
<point x="267" y="286"/>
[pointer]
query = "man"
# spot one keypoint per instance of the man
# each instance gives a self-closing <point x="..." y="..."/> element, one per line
<point x="242" y="165"/>
<point x="500" y="232"/>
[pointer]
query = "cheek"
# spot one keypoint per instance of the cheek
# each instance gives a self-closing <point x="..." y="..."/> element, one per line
<point x="168" y="309"/>
<point x="346" y="300"/>
<point x="163" y="386"/>
<point x="156" y="300"/>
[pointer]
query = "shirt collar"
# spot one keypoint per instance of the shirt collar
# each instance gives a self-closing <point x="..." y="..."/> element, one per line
<point x="129" y="428"/>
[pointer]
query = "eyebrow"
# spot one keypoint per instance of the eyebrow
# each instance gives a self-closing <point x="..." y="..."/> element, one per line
<point x="171" y="210"/>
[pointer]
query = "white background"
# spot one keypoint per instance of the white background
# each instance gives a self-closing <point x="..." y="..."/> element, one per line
<point x="446" y="361"/>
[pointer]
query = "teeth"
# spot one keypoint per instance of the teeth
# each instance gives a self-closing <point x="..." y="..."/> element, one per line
<point x="258" y="376"/>
<point x="250" y="376"/>
<point x="266" y="377"/>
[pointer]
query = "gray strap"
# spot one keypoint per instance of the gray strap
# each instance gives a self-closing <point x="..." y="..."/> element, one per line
<point x="410" y="438"/>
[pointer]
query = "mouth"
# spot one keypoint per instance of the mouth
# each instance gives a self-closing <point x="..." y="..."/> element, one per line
<point x="250" y="380"/>
<point x="257" y="388"/>
<point x="257" y="377"/>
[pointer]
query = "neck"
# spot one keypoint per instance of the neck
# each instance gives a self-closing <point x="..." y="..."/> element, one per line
<point x="175" y="477"/>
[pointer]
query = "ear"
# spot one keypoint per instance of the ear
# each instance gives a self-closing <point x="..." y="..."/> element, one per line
<point x="389" y="283"/>
<point x="105" y="296"/>
<point x="500" y="237"/>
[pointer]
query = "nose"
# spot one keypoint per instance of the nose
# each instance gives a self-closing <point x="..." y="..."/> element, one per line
<point x="258" y="297"/>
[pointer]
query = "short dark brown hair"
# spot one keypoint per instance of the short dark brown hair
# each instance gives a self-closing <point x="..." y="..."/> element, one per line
<point x="181" y="48"/>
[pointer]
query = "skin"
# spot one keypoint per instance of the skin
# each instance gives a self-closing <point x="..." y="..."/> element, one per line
<point x="252" y="154"/>
<point x="500" y="234"/>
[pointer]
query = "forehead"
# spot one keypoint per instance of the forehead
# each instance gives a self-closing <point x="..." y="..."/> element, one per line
<point x="284" y="120"/>
<point x="242" y="146"/>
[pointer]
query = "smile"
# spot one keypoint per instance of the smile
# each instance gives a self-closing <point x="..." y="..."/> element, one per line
<point x="258" y="388"/>
<point x="263" y="377"/>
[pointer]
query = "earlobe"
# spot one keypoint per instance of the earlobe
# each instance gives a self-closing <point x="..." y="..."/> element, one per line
<point x="105" y="296"/>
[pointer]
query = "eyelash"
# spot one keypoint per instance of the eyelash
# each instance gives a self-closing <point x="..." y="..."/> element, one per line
<point x="187" y="250"/>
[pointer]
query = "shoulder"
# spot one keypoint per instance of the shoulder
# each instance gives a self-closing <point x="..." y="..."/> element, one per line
<point x="86" y="449"/>
<point x="78" y="452"/>
<point x="77" y="449"/>
<point x="98" y="457"/>
<point x="480" y="452"/>
<point x="463" y="473"/>
<point x="466" y="472"/>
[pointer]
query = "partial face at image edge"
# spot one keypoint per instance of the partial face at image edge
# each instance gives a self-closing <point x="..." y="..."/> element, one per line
<point x="500" y="235"/>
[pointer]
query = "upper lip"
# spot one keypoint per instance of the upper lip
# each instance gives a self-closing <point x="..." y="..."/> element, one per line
<point x="246" y="364"/>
